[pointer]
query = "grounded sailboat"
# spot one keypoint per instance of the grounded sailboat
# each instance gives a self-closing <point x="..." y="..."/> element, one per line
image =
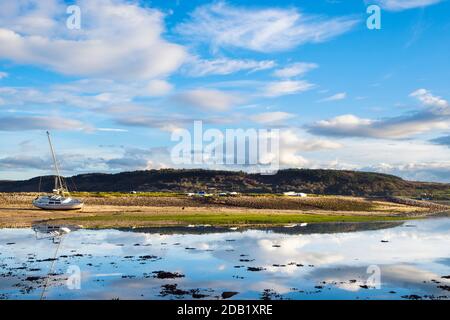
<point x="60" y="199"/>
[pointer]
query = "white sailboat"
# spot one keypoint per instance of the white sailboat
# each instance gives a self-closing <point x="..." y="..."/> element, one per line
<point x="60" y="199"/>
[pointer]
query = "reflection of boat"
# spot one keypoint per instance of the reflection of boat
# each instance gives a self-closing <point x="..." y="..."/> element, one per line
<point x="52" y="231"/>
<point x="56" y="233"/>
<point x="292" y="225"/>
<point x="60" y="199"/>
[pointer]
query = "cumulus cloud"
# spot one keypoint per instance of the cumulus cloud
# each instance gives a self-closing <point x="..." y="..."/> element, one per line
<point x="266" y="30"/>
<point x="386" y="156"/>
<point x="100" y="95"/>
<point x="21" y="96"/>
<point x="223" y="66"/>
<point x="139" y="159"/>
<point x="24" y="162"/>
<point x="391" y="128"/>
<point x="416" y="171"/>
<point x="69" y="163"/>
<point x="3" y="75"/>
<point x="303" y="142"/>
<point x="399" y="5"/>
<point x="171" y="122"/>
<point x="158" y="87"/>
<point x="287" y="87"/>
<point x="123" y="159"/>
<point x="436" y="116"/>
<point x="117" y="39"/>
<point x="271" y="117"/>
<point x="428" y="99"/>
<point x="335" y="97"/>
<point x="294" y="143"/>
<point x="167" y="124"/>
<point x="20" y="123"/>
<point x="111" y="130"/>
<point x="295" y="69"/>
<point x="53" y="97"/>
<point x="121" y="91"/>
<point x="209" y="99"/>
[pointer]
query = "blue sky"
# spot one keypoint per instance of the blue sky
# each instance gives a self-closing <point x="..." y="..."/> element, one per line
<point x="343" y="96"/>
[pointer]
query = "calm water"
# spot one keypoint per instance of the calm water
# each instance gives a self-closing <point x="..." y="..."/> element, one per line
<point x="324" y="261"/>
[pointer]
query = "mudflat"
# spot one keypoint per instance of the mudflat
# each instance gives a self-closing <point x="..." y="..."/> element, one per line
<point x="125" y="210"/>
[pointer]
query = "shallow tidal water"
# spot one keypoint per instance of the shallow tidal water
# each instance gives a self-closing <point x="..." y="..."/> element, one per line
<point x="388" y="260"/>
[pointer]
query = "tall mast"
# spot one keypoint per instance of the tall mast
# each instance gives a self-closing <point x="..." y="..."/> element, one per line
<point x="58" y="176"/>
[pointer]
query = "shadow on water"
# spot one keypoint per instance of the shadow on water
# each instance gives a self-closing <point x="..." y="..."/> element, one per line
<point x="312" y="228"/>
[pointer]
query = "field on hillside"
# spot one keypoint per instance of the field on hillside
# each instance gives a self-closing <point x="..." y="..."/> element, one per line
<point x="311" y="181"/>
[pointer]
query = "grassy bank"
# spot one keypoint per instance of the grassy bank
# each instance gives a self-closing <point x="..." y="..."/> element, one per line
<point x="122" y="210"/>
<point x="218" y="219"/>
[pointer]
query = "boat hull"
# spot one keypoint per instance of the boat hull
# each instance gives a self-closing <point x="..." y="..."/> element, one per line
<point x="59" y="207"/>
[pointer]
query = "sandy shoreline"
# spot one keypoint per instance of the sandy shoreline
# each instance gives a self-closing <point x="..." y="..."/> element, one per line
<point x="16" y="211"/>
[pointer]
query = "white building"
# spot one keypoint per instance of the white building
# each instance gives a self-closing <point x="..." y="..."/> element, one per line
<point x="295" y="194"/>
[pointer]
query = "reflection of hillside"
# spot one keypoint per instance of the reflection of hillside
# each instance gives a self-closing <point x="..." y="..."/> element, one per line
<point x="338" y="227"/>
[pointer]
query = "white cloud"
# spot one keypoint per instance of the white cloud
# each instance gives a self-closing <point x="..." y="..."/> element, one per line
<point x="139" y="159"/>
<point x="391" y="128"/>
<point x="412" y="159"/>
<point x="437" y="116"/>
<point x="23" y="162"/>
<point x="167" y="124"/>
<point x="294" y="143"/>
<point x="303" y="142"/>
<point x="223" y="66"/>
<point x="158" y="87"/>
<point x="279" y="88"/>
<point x="112" y="130"/>
<point x="264" y="30"/>
<point x="20" y="123"/>
<point x="429" y="99"/>
<point x="209" y="99"/>
<point x="72" y="94"/>
<point x="295" y="69"/>
<point x="417" y="171"/>
<point x="101" y="95"/>
<point x="399" y="5"/>
<point x="335" y="97"/>
<point x="94" y="160"/>
<point x="271" y="117"/>
<point x="117" y="40"/>
<point x="3" y="75"/>
<point x="37" y="17"/>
